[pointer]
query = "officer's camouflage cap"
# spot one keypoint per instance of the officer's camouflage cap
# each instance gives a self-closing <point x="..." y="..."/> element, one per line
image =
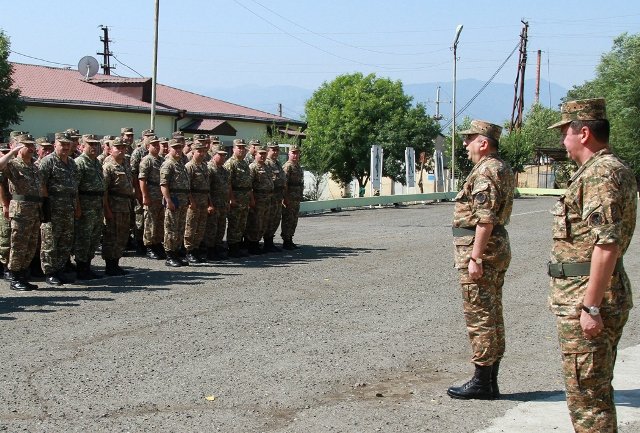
<point x="73" y="133"/>
<point x="151" y="139"/>
<point x="124" y="131"/>
<point x="25" y="139"/>
<point x="214" y="139"/>
<point x="90" y="138"/>
<point x="254" y="142"/>
<point x="63" y="137"/>
<point x="43" y="141"/>
<point x="117" y="142"/>
<point x="177" y="134"/>
<point x="199" y="145"/>
<point x="481" y="127"/>
<point x="216" y="148"/>
<point x="4" y="147"/>
<point x="294" y="148"/>
<point x="273" y="144"/>
<point x="262" y="149"/>
<point x="175" y="143"/>
<point x="200" y="137"/>
<point x="239" y="142"/>
<point x="582" y="109"/>
<point x="163" y="140"/>
<point x="14" y="134"/>
<point x="148" y="132"/>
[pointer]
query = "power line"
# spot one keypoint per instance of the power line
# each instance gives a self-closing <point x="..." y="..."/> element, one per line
<point x="38" y="58"/>
<point x="128" y="67"/>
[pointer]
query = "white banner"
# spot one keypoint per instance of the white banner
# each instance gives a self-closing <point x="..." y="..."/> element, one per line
<point x="376" y="167"/>
<point x="410" y="166"/>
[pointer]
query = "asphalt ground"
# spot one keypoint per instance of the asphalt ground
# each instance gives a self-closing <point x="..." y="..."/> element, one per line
<point x="361" y="330"/>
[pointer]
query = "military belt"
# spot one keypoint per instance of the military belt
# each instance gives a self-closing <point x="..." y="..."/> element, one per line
<point x="120" y="194"/>
<point x="91" y="193"/>
<point x="200" y="191"/>
<point x="31" y="198"/>
<point x="61" y="194"/>
<point x="580" y="269"/>
<point x="241" y="188"/>
<point x="471" y="231"/>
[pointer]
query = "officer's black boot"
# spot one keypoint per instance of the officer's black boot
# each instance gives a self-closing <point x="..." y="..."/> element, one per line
<point x="172" y="261"/>
<point x="479" y="387"/>
<point x="192" y="257"/>
<point x="221" y="251"/>
<point x="140" y="248"/>
<point x="151" y="253"/>
<point x="159" y="250"/>
<point x="111" y="268"/>
<point x="53" y="280"/>
<point x="212" y="255"/>
<point x="119" y="269"/>
<point x="234" y="251"/>
<point x="287" y="244"/>
<point x="269" y="246"/>
<point x="254" y="248"/>
<point x="20" y="283"/>
<point x="82" y="271"/>
<point x="494" y="379"/>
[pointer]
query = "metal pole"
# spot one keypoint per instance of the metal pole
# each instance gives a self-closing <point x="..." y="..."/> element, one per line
<point x="453" y="122"/>
<point x="155" y="69"/>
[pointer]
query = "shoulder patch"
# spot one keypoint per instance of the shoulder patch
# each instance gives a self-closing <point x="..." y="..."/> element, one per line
<point x="596" y="219"/>
<point x="481" y="198"/>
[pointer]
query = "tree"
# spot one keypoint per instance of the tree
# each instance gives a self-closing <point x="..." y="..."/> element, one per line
<point x="10" y="103"/>
<point x="617" y="80"/>
<point x="353" y="112"/>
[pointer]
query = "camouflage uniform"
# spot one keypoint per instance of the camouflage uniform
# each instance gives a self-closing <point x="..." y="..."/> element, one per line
<point x="219" y="193"/>
<point x="240" y="182"/>
<point x="197" y="212"/>
<point x="486" y="198"/>
<point x="173" y="175"/>
<point x="293" y="195"/>
<point x="119" y="190"/>
<point x="5" y="224"/>
<point x="275" y="207"/>
<point x="262" y="184"/>
<point x="154" y="213"/>
<point x="597" y="208"/>
<point x="61" y="182"/>
<point x="136" y="157"/>
<point x="88" y="228"/>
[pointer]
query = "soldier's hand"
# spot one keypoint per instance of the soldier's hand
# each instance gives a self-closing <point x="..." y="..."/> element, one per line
<point x="146" y="201"/>
<point x="591" y="325"/>
<point x="211" y="210"/>
<point x="171" y="206"/>
<point x="475" y="270"/>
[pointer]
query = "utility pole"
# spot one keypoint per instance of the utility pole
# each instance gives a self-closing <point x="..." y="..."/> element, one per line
<point x="106" y="54"/>
<point x="279" y="109"/>
<point x="518" y="98"/>
<point x="537" y="99"/>
<point x="438" y="116"/>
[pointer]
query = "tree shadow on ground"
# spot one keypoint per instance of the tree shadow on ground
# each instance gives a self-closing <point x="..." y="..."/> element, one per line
<point x="41" y="304"/>
<point x="534" y="396"/>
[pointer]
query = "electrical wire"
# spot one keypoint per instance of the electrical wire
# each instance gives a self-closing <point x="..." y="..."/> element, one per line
<point x="128" y="67"/>
<point x="42" y="60"/>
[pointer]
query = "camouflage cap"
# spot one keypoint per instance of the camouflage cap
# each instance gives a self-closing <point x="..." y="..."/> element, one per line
<point x="254" y="142"/>
<point x="14" y="134"/>
<point x="43" y="141"/>
<point x="124" y="131"/>
<point x="200" y="137"/>
<point x="273" y="145"/>
<point x="148" y="132"/>
<point x="481" y="127"/>
<point x="73" y="133"/>
<point x="4" y="147"/>
<point x="175" y="143"/>
<point x="63" y="137"/>
<point x="177" y="134"/>
<point x="216" y="148"/>
<point x="25" y="139"/>
<point x="151" y="139"/>
<point x="214" y="139"/>
<point x="262" y="149"/>
<point x="117" y="142"/>
<point x="163" y="140"/>
<point x="582" y="109"/>
<point x="199" y="145"/>
<point x="294" y="148"/>
<point x="239" y="142"/>
<point x="90" y="138"/>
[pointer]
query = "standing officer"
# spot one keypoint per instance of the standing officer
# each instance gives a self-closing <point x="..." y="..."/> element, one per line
<point x="251" y="153"/>
<point x="590" y="292"/>
<point x="88" y="228"/>
<point x="199" y="203"/>
<point x="149" y="180"/>
<point x="118" y="195"/>
<point x="262" y="184"/>
<point x="482" y="255"/>
<point x="219" y="193"/>
<point x="294" y="188"/>
<point x="60" y="190"/>
<point x="106" y="147"/>
<point x="275" y="207"/>
<point x="240" y="197"/>
<point x="174" y="184"/>
<point x="24" y="209"/>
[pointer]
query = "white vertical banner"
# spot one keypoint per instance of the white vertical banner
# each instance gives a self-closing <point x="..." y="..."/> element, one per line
<point x="376" y="168"/>
<point x="410" y="166"/>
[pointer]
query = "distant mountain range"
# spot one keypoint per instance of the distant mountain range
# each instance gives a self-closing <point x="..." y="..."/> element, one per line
<point x="493" y="104"/>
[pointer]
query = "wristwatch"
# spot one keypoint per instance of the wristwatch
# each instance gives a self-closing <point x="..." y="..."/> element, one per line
<point x="478" y="261"/>
<point x="592" y="311"/>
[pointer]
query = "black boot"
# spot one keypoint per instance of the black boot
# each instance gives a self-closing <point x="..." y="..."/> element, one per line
<point x="287" y="244"/>
<point x="82" y="271"/>
<point x="212" y="255"/>
<point x="479" y="387"/>
<point x="53" y="280"/>
<point x="151" y="253"/>
<point x="69" y="267"/>
<point x="119" y="269"/>
<point x="494" y="379"/>
<point x="36" y="267"/>
<point x="20" y="283"/>
<point x="254" y="248"/>
<point x="111" y="268"/>
<point x="234" y="251"/>
<point x="193" y="258"/>
<point x="172" y="261"/>
<point x="140" y="248"/>
<point x="221" y="251"/>
<point x="269" y="246"/>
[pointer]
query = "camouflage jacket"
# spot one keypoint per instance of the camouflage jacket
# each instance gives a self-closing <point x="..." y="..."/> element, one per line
<point x="24" y="180"/>
<point x="261" y="180"/>
<point x="295" y="181"/>
<point x="219" y="186"/>
<point x="198" y="181"/>
<point x="60" y="180"/>
<point x="118" y="183"/>
<point x="136" y="157"/>
<point x="278" y="176"/>
<point x="91" y="181"/>
<point x="598" y="208"/>
<point x="239" y="176"/>
<point x="173" y="174"/>
<point x="150" y="170"/>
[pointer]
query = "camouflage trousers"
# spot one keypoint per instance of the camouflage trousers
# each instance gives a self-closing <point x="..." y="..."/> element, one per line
<point x="57" y="239"/>
<point x="174" y="225"/>
<point x="153" y="224"/>
<point x="237" y="218"/>
<point x="116" y="235"/>
<point x="289" y="220"/>
<point x="216" y="227"/>
<point x="588" y="371"/>
<point x="88" y="231"/>
<point x="25" y="227"/>
<point x="195" y="225"/>
<point x="257" y="219"/>
<point x="275" y="215"/>
<point x="5" y="237"/>
<point x="138" y="217"/>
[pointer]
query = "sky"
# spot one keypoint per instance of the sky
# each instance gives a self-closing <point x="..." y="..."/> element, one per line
<point x="204" y="45"/>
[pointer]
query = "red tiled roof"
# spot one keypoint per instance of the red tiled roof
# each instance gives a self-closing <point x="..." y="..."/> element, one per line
<point x="67" y="86"/>
<point x="210" y="126"/>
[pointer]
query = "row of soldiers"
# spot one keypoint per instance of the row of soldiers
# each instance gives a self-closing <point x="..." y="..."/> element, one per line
<point x="66" y="199"/>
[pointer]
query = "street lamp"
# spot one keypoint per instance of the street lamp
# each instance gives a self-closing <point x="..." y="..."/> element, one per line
<point x="453" y="123"/>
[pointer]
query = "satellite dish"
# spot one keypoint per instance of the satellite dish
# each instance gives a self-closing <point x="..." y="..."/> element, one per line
<point x="88" y="66"/>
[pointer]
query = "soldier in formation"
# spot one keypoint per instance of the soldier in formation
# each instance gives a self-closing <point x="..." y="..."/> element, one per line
<point x="262" y="186"/>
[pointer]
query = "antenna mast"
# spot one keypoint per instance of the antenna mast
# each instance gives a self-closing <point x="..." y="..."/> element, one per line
<point x="106" y="54"/>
